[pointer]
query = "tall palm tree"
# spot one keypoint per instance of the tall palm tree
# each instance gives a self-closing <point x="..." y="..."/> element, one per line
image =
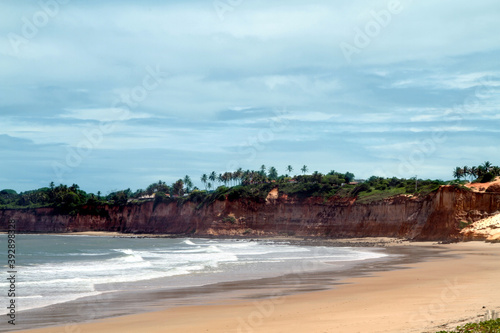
<point x="188" y="183"/>
<point x="304" y="169"/>
<point x="238" y="174"/>
<point x="226" y="177"/>
<point x="466" y="171"/>
<point x="204" y="179"/>
<point x="289" y="169"/>
<point x="273" y="173"/>
<point x="481" y="170"/>
<point x="458" y="173"/>
<point x="473" y="172"/>
<point x="209" y="185"/>
<point x="262" y="169"/>
<point x="212" y="177"/>
<point x="487" y="166"/>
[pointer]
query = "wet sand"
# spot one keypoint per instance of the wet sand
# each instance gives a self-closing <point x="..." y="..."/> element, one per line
<point x="429" y="287"/>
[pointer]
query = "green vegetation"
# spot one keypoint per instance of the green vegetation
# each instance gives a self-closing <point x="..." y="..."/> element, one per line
<point x="490" y="326"/>
<point x="229" y="219"/>
<point x="250" y="186"/>
<point x="378" y="188"/>
<point x="483" y="173"/>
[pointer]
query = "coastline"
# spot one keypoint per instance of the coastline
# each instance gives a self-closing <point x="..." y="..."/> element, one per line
<point x="305" y="240"/>
<point x="410" y="297"/>
<point x="449" y="287"/>
<point x="161" y="293"/>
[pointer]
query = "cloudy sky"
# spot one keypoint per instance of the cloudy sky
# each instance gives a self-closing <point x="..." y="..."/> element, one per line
<point x="116" y="94"/>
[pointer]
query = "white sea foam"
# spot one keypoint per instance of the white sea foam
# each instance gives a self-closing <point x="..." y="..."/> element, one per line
<point x="51" y="274"/>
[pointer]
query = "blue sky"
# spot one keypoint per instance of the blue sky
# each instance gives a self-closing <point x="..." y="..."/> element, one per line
<point x="117" y="94"/>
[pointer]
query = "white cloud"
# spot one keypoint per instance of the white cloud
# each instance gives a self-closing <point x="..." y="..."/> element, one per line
<point x="104" y="114"/>
<point x="263" y="56"/>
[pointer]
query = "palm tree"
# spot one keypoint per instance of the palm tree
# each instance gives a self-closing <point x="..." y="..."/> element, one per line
<point x="226" y="177"/>
<point x="481" y="170"/>
<point x="188" y="183"/>
<point x="204" y="179"/>
<point x="209" y="185"/>
<point x="289" y="169"/>
<point x="487" y="166"/>
<point x="466" y="171"/>
<point x="273" y="173"/>
<point x="178" y="188"/>
<point x="232" y="177"/>
<point x="212" y="177"/>
<point x="238" y="174"/>
<point x="263" y="169"/>
<point x="458" y="173"/>
<point x="304" y="169"/>
<point x="473" y="172"/>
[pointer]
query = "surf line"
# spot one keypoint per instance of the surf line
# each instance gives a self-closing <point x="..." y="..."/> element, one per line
<point x="11" y="264"/>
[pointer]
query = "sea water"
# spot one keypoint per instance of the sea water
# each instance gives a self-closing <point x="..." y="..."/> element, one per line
<point x="54" y="269"/>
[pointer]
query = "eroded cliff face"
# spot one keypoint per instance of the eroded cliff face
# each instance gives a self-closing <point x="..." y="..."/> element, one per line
<point x="435" y="217"/>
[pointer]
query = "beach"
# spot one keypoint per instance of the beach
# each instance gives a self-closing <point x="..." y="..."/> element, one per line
<point x="446" y="290"/>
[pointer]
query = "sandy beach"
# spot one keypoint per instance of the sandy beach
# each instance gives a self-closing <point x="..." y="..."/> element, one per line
<point x="425" y="297"/>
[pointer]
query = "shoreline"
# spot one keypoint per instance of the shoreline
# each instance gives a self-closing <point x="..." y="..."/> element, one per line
<point x="440" y="292"/>
<point x="324" y="276"/>
<point x="305" y="240"/>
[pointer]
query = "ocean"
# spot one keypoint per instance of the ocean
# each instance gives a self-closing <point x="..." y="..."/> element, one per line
<point x="54" y="269"/>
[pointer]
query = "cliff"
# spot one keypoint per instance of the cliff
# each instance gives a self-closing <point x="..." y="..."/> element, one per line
<point x="438" y="216"/>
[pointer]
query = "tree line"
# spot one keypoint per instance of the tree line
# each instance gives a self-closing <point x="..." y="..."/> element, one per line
<point x="248" y="177"/>
<point x="66" y="197"/>
<point x="246" y="184"/>
<point x="482" y="173"/>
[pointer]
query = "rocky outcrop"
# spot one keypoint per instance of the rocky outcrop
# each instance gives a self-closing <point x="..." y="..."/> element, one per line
<point x="437" y="216"/>
<point x="485" y="229"/>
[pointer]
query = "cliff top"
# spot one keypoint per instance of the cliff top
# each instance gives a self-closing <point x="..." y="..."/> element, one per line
<point x="485" y="187"/>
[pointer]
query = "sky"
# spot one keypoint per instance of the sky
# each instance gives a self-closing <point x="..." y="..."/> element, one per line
<point x="120" y="94"/>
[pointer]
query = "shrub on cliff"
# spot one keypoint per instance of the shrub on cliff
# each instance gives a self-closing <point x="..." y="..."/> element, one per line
<point x="323" y="189"/>
<point x="197" y="196"/>
<point x="487" y="177"/>
<point x="161" y="197"/>
<point x="361" y="188"/>
<point x="255" y="193"/>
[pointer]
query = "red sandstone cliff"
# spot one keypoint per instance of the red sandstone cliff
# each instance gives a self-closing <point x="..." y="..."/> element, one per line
<point x="434" y="217"/>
